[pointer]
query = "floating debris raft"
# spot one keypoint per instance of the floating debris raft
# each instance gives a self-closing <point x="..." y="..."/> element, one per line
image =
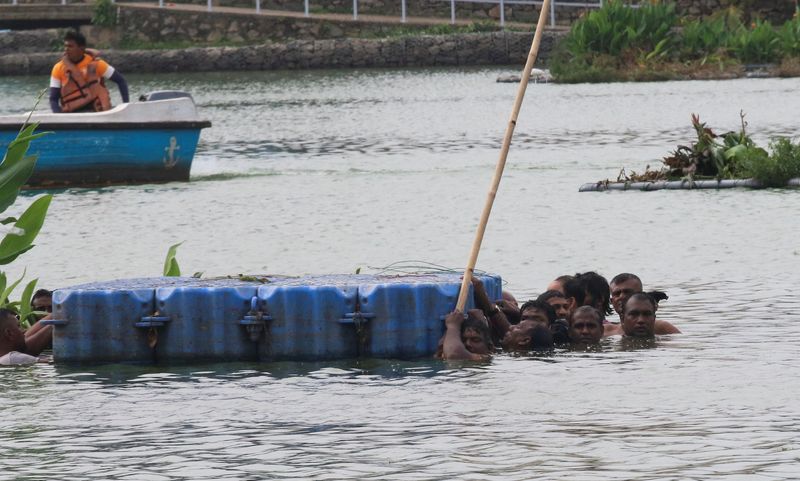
<point x="537" y="75"/>
<point x="679" y="185"/>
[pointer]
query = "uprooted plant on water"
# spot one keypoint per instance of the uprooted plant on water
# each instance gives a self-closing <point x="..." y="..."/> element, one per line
<point x="732" y="155"/>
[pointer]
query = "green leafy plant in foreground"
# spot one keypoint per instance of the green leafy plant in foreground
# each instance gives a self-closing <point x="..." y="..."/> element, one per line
<point x="171" y="268"/>
<point x="773" y="169"/>
<point x="15" y="170"/>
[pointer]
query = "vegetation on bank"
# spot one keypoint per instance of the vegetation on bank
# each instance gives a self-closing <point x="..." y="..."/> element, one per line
<point x="732" y="155"/>
<point x="618" y="43"/>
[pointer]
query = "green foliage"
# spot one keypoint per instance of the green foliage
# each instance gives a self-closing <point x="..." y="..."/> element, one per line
<point x="775" y="169"/>
<point x="27" y="228"/>
<point x="104" y="13"/>
<point x="15" y="170"/>
<point x="760" y="44"/>
<point x="710" y="36"/>
<point x="171" y="268"/>
<point x="789" y="35"/>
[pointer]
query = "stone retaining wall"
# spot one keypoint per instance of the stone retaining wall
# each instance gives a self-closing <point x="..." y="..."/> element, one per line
<point x="419" y="51"/>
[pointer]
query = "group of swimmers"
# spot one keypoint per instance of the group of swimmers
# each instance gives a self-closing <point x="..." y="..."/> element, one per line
<point x="18" y="346"/>
<point x="571" y="312"/>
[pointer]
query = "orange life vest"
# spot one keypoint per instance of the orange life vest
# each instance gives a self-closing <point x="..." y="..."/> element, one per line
<point x="81" y="90"/>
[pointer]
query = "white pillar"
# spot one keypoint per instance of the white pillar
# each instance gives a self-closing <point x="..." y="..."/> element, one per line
<point x="453" y="12"/>
<point x="402" y="9"/>
<point x="355" y="9"/>
<point x="258" y="6"/>
<point x="502" y="14"/>
<point x="553" y="14"/>
<point x="209" y="5"/>
<point x="305" y="7"/>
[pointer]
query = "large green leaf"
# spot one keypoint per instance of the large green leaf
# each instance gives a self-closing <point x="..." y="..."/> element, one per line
<point x="16" y="167"/>
<point x="30" y="222"/>
<point x="25" y="309"/>
<point x="8" y="290"/>
<point x="171" y="268"/>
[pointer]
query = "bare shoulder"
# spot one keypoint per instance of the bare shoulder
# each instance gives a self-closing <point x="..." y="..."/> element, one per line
<point x="612" y="330"/>
<point x="665" y="327"/>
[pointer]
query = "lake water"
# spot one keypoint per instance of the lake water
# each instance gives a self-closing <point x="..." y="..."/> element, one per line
<point x="327" y="172"/>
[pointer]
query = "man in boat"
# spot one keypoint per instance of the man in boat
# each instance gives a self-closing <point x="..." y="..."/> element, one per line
<point x="585" y="326"/>
<point x="77" y="83"/>
<point x="639" y="319"/>
<point x="622" y="287"/>
<point x="20" y="347"/>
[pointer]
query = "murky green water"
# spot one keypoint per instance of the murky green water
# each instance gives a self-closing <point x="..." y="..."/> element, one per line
<point x="323" y="172"/>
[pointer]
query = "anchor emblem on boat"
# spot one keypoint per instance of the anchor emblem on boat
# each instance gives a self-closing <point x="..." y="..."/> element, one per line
<point x="170" y="157"/>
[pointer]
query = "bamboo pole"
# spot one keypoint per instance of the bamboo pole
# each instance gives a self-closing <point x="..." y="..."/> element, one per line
<point x="501" y="162"/>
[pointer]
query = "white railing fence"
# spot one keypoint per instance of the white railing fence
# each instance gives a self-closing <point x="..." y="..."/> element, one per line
<point x="556" y="6"/>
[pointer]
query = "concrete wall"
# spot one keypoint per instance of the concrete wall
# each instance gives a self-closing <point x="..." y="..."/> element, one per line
<point x="418" y="51"/>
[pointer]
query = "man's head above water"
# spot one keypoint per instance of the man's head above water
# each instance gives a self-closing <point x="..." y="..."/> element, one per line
<point x="11" y="336"/>
<point x="586" y="326"/>
<point x="639" y="316"/>
<point x="527" y="336"/>
<point x="537" y="311"/>
<point x="623" y="286"/>
<point x="558" y="301"/>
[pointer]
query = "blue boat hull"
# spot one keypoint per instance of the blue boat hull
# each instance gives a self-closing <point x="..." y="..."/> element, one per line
<point x="110" y="156"/>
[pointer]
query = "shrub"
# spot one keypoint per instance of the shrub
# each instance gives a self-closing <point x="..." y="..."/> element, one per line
<point x="775" y="169"/>
<point x="104" y="13"/>
<point x="759" y="44"/>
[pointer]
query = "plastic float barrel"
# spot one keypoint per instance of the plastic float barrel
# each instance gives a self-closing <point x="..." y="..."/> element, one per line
<point x="679" y="185"/>
<point x="307" y="319"/>
<point x="277" y="318"/>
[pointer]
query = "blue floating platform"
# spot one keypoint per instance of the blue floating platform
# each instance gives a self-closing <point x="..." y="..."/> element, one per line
<point x="255" y="318"/>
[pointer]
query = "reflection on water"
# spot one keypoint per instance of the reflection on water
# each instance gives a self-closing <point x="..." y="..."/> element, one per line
<point x="325" y="172"/>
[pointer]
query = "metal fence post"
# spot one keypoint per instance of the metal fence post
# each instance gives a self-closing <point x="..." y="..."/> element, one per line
<point x="403" y="11"/>
<point x="161" y="3"/>
<point x="453" y="12"/>
<point x="305" y="7"/>
<point x="209" y="5"/>
<point x="355" y="9"/>
<point x="553" y="14"/>
<point x="258" y="6"/>
<point x="502" y="14"/>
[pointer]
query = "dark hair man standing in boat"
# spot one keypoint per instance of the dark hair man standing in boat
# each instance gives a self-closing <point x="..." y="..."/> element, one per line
<point x="77" y="81"/>
<point x="585" y="326"/>
<point x="639" y="319"/>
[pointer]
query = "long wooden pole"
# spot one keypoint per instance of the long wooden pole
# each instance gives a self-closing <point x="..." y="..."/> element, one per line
<point x="501" y="162"/>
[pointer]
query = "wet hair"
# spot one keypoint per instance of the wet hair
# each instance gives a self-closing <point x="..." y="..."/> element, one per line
<point x="76" y="37"/>
<point x="7" y="314"/>
<point x="597" y="286"/>
<point x="41" y="293"/>
<point x="641" y="296"/>
<point x="590" y="309"/>
<point x="547" y="295"/>
<point x="564" y="278"/>
<point x="479" y="326"/>
<point x="541" y="338"/>
<point x="624" y="277"/>
<point x="658" y="296"/>
<point x="542" y="306"/>
<point x="574" y="288"/>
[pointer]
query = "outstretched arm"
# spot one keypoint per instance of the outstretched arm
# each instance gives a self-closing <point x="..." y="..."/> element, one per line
<point x="117" y="78"/>
<point x="497" y="319"/>
<point x="55" y="97"/>
<point x="38" y="338"/>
